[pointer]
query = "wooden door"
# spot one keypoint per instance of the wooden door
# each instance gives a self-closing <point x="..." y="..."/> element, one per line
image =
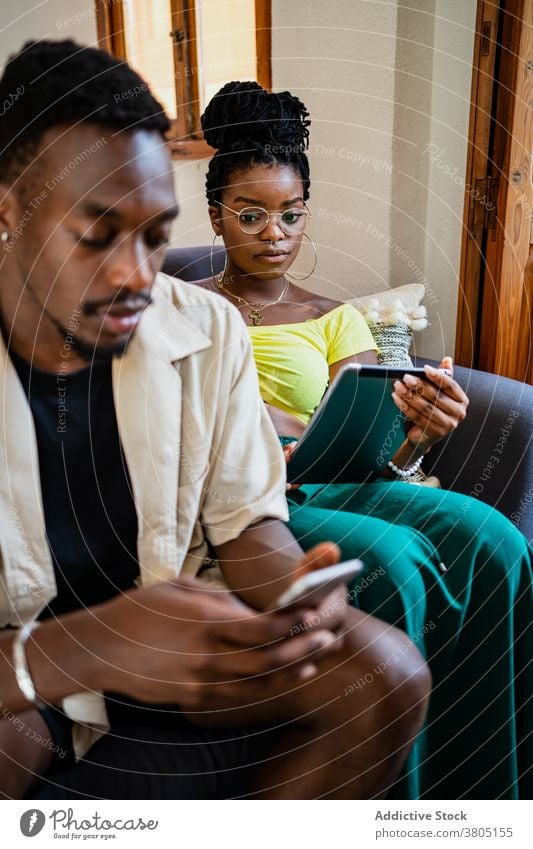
<point x="481" y="185"/>
<point x="494" y="316"/>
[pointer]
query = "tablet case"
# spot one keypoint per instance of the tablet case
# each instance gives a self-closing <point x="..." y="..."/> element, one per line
<point x="355" y="430"/>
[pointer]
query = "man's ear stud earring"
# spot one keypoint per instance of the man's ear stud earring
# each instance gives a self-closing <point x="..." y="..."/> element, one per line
<point x="5" y="236"/>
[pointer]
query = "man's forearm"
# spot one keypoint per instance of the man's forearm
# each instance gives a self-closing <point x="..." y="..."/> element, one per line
<point x="260" y="563"/>
<point x="64" y="657"/>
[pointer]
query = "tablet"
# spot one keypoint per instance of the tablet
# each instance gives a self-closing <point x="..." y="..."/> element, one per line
<point x="356" y="429"/>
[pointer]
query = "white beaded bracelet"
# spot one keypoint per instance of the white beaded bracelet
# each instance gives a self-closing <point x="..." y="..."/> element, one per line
<point x="20" y="665"/>
<point x="405" y="474"/>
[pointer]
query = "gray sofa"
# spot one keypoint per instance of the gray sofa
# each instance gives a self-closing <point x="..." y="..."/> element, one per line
<point x="489" y="457"/>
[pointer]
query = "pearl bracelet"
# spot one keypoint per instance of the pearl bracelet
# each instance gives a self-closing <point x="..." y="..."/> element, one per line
<point x="405" y="474"/>
<point x="20" y="665"/>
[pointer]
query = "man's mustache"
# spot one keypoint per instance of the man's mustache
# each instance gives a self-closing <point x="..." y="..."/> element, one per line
<point x="133" y="302"/>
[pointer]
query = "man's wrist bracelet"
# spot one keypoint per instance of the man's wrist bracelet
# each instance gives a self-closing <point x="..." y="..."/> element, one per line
<point x="20" y="665"/>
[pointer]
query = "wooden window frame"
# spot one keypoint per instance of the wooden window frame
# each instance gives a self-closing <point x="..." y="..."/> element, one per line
<point x="183" y="143"/>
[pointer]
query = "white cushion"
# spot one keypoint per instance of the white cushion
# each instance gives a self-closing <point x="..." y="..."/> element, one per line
<point x="392" y="315"/>
<point x="410" y="295"/>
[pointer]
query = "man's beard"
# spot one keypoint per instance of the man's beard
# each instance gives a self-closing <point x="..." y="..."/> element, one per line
<point x="95" y="354"/>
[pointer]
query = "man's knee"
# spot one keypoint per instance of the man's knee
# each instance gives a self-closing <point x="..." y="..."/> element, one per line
<point x="386" y="681"/>
<point x="406" y="684"/>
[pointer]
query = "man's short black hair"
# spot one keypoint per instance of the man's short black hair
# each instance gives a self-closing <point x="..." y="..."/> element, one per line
<point x="55" y="82"/>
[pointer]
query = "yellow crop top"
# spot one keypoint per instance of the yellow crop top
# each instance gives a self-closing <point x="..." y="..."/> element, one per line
<point x="293" y="359"/>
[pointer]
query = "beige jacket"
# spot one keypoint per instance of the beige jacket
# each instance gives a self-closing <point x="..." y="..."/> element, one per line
<point x="202" y="455"/>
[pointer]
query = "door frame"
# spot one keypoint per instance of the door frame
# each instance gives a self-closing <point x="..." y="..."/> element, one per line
<point x="494" y="307"/>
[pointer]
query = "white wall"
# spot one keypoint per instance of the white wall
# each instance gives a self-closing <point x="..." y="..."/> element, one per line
<point x="412" y="118"/>
<point x="431" y="107"/>
<point x="192" y="227"/>
<point x="22" y="20"/>
<point x="383" y="81"/>
<point x="342" y="67"/>
<point x="446" y="163"/>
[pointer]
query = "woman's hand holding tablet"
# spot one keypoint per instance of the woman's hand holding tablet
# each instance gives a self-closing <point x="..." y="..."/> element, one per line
<point x="434" y="403"/>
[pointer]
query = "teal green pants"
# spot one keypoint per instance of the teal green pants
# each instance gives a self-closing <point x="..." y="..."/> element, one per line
<point x="456" y="576"/>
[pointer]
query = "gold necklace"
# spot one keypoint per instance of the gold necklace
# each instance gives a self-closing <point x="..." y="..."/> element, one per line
<point x="255" y="313"/>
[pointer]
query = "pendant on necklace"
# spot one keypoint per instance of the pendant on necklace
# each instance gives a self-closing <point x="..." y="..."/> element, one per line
<point x="256" y="317"/>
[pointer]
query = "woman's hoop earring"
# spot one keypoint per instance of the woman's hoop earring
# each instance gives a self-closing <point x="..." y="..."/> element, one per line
<point x="223" y="272"/>
<point x="305" y="276"/>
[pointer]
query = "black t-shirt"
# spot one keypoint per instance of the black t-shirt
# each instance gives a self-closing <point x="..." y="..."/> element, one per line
<point x="90" y="517"/>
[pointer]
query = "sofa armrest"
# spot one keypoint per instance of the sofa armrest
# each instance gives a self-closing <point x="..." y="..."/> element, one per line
<point x="490" y="456"/>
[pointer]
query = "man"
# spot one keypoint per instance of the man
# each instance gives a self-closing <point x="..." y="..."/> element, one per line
<point x="136" y="451"/>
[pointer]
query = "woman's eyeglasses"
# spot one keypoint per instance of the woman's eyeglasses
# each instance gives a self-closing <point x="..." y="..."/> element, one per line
<point x="254" y="219"/>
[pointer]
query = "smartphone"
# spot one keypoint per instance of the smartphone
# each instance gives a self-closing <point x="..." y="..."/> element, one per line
<point x="311" y="588"/>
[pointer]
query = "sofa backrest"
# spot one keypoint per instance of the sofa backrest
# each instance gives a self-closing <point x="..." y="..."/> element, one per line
<point x="193" y="263"/>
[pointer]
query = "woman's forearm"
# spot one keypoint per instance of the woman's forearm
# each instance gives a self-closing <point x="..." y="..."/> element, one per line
<point x="284" y="423"/>
<point x="404" y="457"/>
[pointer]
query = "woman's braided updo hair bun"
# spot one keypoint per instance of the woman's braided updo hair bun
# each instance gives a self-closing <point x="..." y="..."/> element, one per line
<point x="250" y="126"/>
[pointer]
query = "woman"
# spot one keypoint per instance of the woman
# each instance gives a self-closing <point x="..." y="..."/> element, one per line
<point x="449" y="570"/>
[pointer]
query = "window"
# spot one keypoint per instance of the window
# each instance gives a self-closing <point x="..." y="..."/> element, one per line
<point x="186" y="50"/>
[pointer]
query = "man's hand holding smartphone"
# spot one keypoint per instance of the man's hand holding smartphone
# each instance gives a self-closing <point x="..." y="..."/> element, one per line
<point x="312" y="587"/>
<point x="320" y="590"/>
